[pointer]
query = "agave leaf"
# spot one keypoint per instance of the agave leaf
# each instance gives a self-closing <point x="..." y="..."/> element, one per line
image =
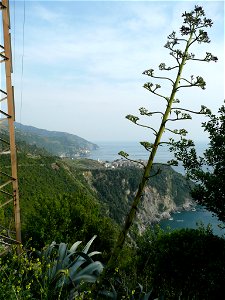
<point x="94" y="253"/>
<point x="85" y="278"/>
<point x="75" y="246"/>
<point x="141" y="291"/>
<point x="89" y="273"/>
<point x="52" y="272"/>
<point x="82" y="257"/>
<point x="62" y="251"/>
<point x="146" y="296"/>
<point x="108" y="294"/>
<point x="46" y="253"/>
<point x="86" y="248"/>
<point x="60" y="277"/>
<point x="75" y="264"/>
<point x="70" y="256"/>
<point x="65" y="263"/>
<point x="91" y="268"/>
<point x="112" y="295"/>
<point x="68" y="260"/>
<point x="78" y="262"/>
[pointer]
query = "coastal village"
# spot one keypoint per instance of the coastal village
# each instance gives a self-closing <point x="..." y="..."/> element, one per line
<point x="119" y="163"/>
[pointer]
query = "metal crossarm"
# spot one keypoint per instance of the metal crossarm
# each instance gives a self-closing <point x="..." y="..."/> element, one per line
<point x="4" y="184"/>
<point x="5" y="114"/>
<point x="3" y="99"/>
<point x="2" y="6"/>
<point x="8" y="239"/>
<point x="3" y="92"/>
<point x="4" y="141"/>
<point x="7" y="175"/>
<point x="3" y="56"/>
<point x="6" y="202"/>
<point x="6" y="193"/>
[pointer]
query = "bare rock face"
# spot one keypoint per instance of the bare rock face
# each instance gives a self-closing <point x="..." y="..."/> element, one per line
<point x="116" y="188"/>
<point x="55" y="166"/>
<point x="155" y="207"/>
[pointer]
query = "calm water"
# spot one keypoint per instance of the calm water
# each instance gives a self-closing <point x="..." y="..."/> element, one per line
<point x="108" y="151"/>
<point x="190" y="219"/>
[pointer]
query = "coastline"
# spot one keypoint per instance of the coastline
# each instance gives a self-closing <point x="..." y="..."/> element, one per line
<point x="177" y="217"/>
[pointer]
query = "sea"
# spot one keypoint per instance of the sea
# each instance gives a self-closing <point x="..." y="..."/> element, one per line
<point x="108" y="151"/>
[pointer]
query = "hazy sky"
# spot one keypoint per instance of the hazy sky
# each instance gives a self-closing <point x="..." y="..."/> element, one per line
<point x="83" y="64"/>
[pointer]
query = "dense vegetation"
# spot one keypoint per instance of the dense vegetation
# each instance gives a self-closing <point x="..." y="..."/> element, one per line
<point x="207" y="171"/>
<point x="69" y="217"/>
<point x="183" y="263"/>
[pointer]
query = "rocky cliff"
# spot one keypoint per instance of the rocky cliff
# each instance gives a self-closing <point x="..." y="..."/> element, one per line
<point x="165" y="193"/>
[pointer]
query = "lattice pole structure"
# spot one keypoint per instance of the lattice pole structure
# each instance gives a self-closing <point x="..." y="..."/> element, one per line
<point x="8" y="176"/>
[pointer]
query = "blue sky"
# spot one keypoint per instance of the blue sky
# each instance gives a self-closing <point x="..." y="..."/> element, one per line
<point x="83" y="64"/>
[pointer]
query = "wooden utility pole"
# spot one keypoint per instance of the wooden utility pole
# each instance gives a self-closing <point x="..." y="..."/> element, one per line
<point x="9" y="182"/>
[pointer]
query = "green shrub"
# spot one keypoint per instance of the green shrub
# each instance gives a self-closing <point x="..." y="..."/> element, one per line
<point x="69" y="217"/>
<point x="184" y="263"/>
<point x="56" y="272"/>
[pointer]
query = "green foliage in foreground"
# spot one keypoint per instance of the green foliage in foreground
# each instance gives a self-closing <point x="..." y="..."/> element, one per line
<point x="67" y="269"/>
<point x="185" y="263"/>
<point x="57" y="272"/>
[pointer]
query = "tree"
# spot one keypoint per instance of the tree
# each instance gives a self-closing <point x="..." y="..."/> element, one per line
<point x="191" y="32"/>
<point x="183" y="264"/>
<point x="208" y="171"/>
<point x="68" y="217"/>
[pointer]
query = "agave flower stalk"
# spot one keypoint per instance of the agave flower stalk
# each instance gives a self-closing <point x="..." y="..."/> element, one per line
<point x="191" y="32"/>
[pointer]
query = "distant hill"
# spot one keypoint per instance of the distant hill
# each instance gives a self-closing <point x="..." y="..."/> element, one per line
<point x="56" y="143"/>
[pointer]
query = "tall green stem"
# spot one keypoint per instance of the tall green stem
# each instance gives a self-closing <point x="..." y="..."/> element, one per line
<point x="131" y="215"/>
<point x="112" y="263"/>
